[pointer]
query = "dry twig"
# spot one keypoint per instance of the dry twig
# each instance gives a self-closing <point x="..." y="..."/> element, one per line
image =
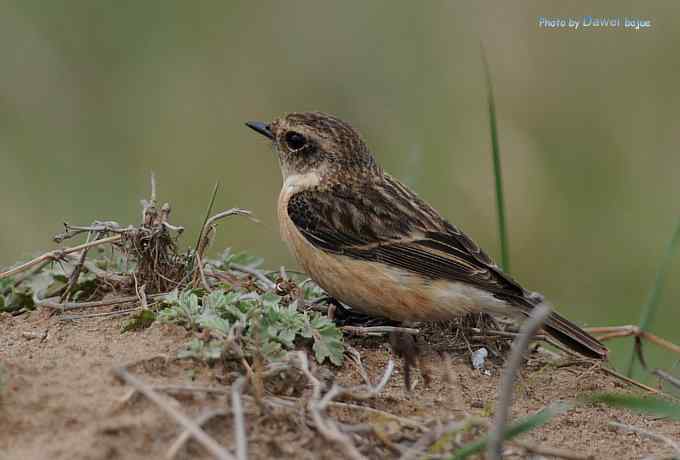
<point x="99" y="315"/>
<point x="208" y="228"/>
<point x="618" y="375"/>
<point x="56" y="255"/>
<point x="345" y="405"/>
<point x="196" y="431"/>
<point x="96" y="227"/>
<point x="50" y="303"/>
<point x="239" y="420"/>
<point x="327" y="428"/>
<point x="186" y="434"/>
<point x="379" y="330"/>
<point x="530" y="326"/>
<point x="269" y="284"/>
<point x="635" y="331"/>
<point x="75" y="275"/>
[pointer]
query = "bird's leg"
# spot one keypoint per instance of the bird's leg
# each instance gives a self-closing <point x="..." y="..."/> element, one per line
<point x="404" y="345"/>
<point x="407" y="346"/>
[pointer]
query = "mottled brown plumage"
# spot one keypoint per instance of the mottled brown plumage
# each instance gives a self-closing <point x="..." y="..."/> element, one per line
<point x="372" y="243"/>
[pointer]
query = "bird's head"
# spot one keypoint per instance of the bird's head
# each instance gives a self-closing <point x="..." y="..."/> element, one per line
<point x="317" y="143"/>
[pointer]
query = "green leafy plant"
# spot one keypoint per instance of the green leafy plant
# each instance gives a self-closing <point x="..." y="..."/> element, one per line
<point x="140" y="321"/>
<point x="210" y="350"/>
<point x="267" y="323"/>
<point x="49" y="281"/>
<point x="229" y="257"/>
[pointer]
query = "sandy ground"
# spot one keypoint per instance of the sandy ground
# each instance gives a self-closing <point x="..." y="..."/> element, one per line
<point x="61" y="400"/>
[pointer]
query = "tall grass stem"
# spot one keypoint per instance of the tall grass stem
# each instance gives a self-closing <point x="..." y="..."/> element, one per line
<point x="650" y="307"/>
<point x="497" y="170"/>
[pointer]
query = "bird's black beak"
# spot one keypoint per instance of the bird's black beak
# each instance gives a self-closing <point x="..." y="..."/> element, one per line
<point x="261" y="128"/>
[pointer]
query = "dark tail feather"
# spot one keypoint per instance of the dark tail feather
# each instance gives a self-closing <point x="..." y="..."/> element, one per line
<point x="573" y="337"/>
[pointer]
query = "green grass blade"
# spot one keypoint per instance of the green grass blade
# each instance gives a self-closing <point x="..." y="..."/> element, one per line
<point x="654" y="406"/>
<point x="497" y="170"/>
<point x="207" y="214"/>
<point x="514" y="429"/>
<point x="649" y="308"/>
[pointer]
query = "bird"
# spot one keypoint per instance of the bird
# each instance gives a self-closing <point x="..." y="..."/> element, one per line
<point x="371" y="243"/>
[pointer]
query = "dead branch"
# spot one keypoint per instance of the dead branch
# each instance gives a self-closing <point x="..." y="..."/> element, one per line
<point x="634" y="331"/>
<point x="75" y="275"/>
<point x="269" y="284"/>
<point x="99" y="315"/>
<point x="230" y="212"/>
<point x="141" y="292"/>
<point x="359" y="392"/>
<point x="345" y="405"/>
<point x="51" y="303"/>
<point x="379" y="330"/>
<point x="239" y="420"/>
<point x="186" y="434"/>
<point x="57" y="254"/>
<point x="613" y="373"/>
<point x="492" y="332"/>
<point x="209" y="226"/>
<point x="326" y="427"/>
<point x="96" y="227"/>
<point x="208" y="229"/>
<point x="530" y="326"/>
<point x="201" y="273"/>
<point x="196" y="431"/>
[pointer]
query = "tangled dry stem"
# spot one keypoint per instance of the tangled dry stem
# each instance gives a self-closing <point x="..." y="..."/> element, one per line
<point x="150" y="249"/>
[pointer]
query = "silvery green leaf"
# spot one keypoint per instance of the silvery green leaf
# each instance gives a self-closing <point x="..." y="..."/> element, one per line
<point x="193" y="349"/>
<point x="216" y="300"/>
<point x="212" y="322"/>
<point x="311" y="291"/>
<point x="327" y="340"/>
<point x="243" y="258"/>
<point x="270" y="349"/>
<point x="270" y="300"/>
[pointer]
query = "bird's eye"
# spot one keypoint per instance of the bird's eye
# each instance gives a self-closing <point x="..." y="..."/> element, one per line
<point x="295" y="140"/>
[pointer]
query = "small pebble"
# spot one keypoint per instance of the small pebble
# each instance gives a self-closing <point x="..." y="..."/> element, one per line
<point x="478" y="358"/>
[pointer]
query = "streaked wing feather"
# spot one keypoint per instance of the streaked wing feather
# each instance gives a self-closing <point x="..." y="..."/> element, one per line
<point x="385" y="222"/>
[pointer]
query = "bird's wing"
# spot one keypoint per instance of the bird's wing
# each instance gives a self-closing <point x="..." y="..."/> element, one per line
<point x="385" y="222"/>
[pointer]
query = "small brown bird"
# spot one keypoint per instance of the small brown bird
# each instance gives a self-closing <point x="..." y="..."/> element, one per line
<point x="370" y="242"/>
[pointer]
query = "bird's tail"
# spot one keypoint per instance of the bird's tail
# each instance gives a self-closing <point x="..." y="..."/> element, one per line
<point x="573" y="337"/>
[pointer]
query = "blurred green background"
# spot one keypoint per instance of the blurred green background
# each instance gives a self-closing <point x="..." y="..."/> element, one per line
<point x="94" y="95"/>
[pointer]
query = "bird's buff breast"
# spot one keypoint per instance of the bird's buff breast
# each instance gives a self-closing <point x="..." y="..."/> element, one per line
<point x="378" y="289"/>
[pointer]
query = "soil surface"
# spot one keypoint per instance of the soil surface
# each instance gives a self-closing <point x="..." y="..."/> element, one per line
<point x="60" y="400"/>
